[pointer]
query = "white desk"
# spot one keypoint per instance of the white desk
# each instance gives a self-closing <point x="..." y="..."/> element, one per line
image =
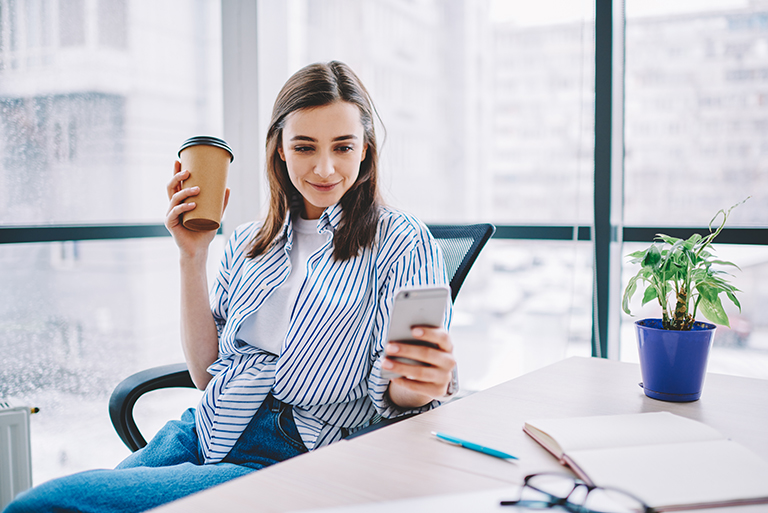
<point x="404" y="460"/>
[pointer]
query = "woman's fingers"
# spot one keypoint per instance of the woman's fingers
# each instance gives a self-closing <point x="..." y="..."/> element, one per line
<point x="183" y="194"/>
<point x="434" y="335"/>
<point x="428" y="374"/>
<point x="226" y="200"/>
<point x="432" y="377"/>
<point x="177" y="206"/>
<point x="179" y="176"/>
<point x="177" y="194"/>
<point x="428" y="381"/>
<point x="175" y="212"/>
<point x="181" y="200"/>
<point x="438" y="351"/>
<point x="423" y="374"/>
<point x="427" y="355"/>
<point x="178" y="197"/>
<point x="430" y="389"/>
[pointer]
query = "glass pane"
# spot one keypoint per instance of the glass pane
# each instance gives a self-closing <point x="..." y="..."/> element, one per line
<point x="95" y="99"/>
<point x="90" y="121"/>
<point x="541" y="112"/>
<point x="524" y="305"/>
<point x="741" y="350"/>
<point x="488" y="105"/>
<point x="81" y="317"/>
<point x="696" y="116"/>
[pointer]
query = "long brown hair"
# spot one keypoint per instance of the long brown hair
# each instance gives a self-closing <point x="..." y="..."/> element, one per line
<point x="314" y="86"/>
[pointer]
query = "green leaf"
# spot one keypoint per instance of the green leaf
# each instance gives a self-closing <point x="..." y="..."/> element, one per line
<point x="650" y="295"/>
<point x="628" y="293"/>
<point x="733" y="299"/>
<point x="708" y="292"/>
<point x="652" y="256"/>
<point x="724" y="262"/>
<point x="677" y="245"/>
<point x="666" y="238"/>
<point x="714" y="311"/>
<point x="692" y="241"/>
<point x="637" y="254"/>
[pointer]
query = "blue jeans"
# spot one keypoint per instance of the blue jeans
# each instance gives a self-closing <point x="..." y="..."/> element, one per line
<point x="168" y="468"/>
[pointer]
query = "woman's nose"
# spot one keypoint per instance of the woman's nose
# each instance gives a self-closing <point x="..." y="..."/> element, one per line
<point x="324" y="167"/>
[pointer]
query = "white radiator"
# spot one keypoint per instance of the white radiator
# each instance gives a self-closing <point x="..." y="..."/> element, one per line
<point x="15" y="452"/>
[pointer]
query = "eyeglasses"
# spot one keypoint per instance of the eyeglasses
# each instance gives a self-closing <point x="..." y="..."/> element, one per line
<point x="576" y="496"/>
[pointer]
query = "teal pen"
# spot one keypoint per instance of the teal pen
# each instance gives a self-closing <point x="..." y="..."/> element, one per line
<point x="474" y="447"/>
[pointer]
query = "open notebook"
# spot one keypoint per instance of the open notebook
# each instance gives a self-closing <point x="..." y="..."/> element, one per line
<point x="668" y="461"/>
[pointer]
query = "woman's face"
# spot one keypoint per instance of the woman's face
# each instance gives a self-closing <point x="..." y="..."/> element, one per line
<point x="322" y="149"/>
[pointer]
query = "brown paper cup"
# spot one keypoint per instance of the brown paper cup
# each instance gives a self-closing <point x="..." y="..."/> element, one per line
<point x="207" y="159"/>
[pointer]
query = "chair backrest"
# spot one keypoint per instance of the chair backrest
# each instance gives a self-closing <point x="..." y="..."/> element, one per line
<point x="461" y="243"/>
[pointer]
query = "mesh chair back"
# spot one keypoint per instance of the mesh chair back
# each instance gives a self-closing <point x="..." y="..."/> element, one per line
<point x="461" y="244"/>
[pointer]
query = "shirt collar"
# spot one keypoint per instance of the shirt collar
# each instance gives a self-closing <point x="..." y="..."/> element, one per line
<point x="329" y="220"/>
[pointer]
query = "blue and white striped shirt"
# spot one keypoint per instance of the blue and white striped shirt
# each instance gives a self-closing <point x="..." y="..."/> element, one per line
<point x="330" y="363"/>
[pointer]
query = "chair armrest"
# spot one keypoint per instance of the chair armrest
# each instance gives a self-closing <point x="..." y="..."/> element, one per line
<point x="128" y="391"/>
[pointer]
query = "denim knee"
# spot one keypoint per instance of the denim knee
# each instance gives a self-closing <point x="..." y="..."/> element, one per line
<point x="39" y="499"/>
<point x="174" y="444"/>
<point x="128" y="490"/>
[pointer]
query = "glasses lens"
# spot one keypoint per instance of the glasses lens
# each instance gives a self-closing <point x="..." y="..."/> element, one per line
<point x="607" y="500"/>
<point x="555" y="485"/>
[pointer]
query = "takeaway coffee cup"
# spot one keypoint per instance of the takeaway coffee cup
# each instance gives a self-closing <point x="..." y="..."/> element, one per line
<point x="207" y="159"/>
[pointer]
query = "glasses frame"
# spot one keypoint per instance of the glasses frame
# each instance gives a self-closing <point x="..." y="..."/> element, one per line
<point x="563" y="502"/>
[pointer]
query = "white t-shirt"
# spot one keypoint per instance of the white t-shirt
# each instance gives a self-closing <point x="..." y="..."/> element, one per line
<point x="267" y="328"/>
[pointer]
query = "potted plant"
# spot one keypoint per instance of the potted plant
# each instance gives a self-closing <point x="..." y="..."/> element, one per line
<point x="686" y="279"/>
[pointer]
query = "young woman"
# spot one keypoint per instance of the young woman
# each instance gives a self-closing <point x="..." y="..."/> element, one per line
<point x="290" y="342"/>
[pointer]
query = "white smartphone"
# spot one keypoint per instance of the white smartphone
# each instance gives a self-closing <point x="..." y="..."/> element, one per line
<point x="419" y="306"/>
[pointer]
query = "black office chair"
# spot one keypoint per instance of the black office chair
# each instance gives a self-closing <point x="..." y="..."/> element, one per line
<point x="461" y="244"/>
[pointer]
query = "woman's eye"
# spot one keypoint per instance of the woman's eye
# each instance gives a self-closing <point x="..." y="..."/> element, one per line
<point x="345" y="149"/>
<point x="302" y="149"/>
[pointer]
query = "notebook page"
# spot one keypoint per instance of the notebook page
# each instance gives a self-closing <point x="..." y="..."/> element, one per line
<point x="577" y="433"/>
<point x="676" y="474"/>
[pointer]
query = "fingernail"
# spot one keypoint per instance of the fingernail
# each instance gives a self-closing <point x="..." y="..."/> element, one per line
<point x="417" y="332"/>
<point x="387" y="364"/>
<point x="392" y="348"/>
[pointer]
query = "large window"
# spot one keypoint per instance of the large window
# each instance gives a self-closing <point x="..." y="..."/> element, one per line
<point x="487" y="115"/>
<point x="95" y="98"/>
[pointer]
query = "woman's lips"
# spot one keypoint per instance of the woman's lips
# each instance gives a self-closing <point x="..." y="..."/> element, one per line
<point x="324" y="187"/>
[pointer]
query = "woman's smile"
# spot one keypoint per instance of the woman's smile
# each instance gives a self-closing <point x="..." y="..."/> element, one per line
<point x="324" y="187"/>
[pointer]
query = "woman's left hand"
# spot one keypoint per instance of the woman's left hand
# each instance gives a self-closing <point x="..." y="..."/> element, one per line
<point x="418" y="385"/>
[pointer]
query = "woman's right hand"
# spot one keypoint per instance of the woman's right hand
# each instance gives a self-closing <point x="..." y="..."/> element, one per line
<point x="190" y="242"/>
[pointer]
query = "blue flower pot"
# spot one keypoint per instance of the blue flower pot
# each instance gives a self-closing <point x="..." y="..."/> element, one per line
<point x="673" y="363"/>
